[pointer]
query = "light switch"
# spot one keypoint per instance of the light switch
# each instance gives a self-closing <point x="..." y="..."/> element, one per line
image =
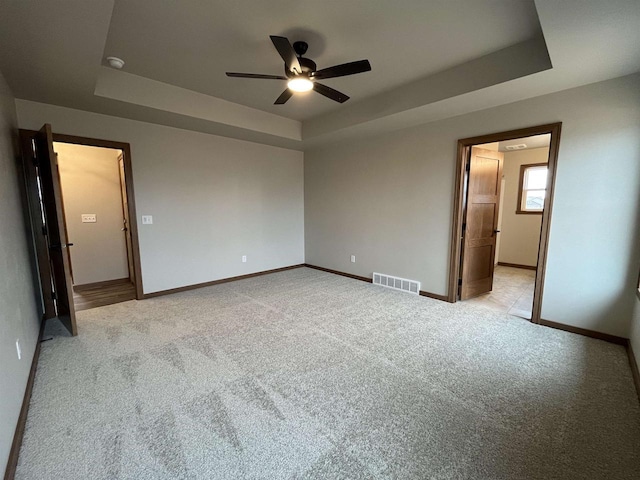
<point x="89" y="218"/>
<point x="353" y="259"/>
<point x="147" y="219"/>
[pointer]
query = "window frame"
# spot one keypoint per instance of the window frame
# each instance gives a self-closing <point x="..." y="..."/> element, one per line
<point x="523" y="169"/>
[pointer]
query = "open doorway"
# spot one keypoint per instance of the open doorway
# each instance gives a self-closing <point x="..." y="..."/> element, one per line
<point x="94" y="204"/>
<point x="503" y="205"/>
<point x="80" y="194"/>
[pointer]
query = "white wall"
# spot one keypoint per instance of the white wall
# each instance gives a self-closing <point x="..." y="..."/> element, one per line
<point x="90" y="178"/>
<point x="213" y="199"/>
<point x="388" y="200"/>
<point x="19" y="316"/>
<point x="519" y="233"/>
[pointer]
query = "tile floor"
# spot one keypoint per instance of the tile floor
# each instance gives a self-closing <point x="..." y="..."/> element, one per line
<point x="512" y="292"/>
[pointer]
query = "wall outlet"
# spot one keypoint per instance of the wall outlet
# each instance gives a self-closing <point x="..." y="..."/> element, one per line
<point x="147" y="219"/>
<point x="244" y="259"/>
<point x="89" y="218"/>
<point x="19" y="349"/>
<point x="353" y="259"/>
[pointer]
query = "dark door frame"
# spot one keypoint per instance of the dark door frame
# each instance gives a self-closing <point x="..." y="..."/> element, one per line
<point x="26" y="136"/>
<point x="464" y="147"/>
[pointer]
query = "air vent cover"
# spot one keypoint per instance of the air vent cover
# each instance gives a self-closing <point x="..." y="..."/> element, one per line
<point x="396" y="283"/>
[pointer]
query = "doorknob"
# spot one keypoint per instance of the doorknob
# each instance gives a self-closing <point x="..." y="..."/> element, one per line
<point x="496" y="231"/>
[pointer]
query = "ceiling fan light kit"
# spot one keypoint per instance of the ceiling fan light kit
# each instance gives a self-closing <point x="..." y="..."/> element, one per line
<point x="300" y="84"/>
<point x="302" y="74"/>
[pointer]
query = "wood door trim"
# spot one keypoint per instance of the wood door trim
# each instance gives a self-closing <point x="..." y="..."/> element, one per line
<point x="464" y="145"/>
<point x="14" y="453"/>
<point x="342" y="274"/>
<point x="217" y="282"/>
<point x="517" y="265"/>
<point x="442" y="298"/>
<point x="625" y="342"/>
<point x="128" y="173"/>
<point x="586" y="332"/>
<point x="634" y="367"/>
<point x="104" y="283"/>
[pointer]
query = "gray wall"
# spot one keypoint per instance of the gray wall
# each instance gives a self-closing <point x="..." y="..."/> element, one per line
<point x="19" y="318"/>
<point x="519" y="233"/>
<point x="213" y="199"/>
<point x="90" y="178"/>
<point x="388" y="200"/>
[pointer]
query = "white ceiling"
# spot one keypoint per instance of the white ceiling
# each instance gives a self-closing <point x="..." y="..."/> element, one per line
<point x="431" y="59"/>
<point x="192" y="44"/>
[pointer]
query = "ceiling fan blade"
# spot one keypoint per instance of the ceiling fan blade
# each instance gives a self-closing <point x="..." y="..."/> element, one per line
<point x="284" y="96"/>
<point x="287" y="53"/>
<point x="330" y="93"/>
<point x="350" y="68"/>
<point x="255" y="75"/>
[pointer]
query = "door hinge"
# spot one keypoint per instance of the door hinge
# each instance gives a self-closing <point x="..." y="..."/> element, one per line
<point x="34" y="159"/>
<point x="44" y="230"/>
<point x="54" y="296"/>
<point x="464" y="227"/>
<point x="459" y="282"/>
<point x="468" y="166"/>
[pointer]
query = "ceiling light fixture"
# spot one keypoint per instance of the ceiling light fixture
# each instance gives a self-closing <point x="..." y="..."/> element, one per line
<point x="301" y="73"/>
<point x="300" y="84"/>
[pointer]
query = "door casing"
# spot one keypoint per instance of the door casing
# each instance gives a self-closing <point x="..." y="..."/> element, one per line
<point x="464" y="147"/>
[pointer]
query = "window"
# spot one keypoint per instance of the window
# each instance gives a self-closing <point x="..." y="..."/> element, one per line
<point x="533" y="188"/>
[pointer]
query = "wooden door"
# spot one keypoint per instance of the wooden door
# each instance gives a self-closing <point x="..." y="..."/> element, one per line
<point x="36" y="212"/>
<point x="125" y="218"/>
<point x="484" y="172"/>
<point x="56" y="228"/>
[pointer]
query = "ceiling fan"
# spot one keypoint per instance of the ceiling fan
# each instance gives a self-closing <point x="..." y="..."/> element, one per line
<point x="302" y="74"/>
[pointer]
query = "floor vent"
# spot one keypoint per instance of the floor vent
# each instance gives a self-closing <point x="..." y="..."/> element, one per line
<point x="396" y="283"/>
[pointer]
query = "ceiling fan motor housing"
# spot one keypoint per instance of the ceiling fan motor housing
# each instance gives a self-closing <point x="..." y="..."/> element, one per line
<point x="308" y="67"/>
<point x="300" y="47"/>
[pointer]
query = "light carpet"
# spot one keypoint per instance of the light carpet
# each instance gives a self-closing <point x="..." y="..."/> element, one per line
<point x="307" y="375"/>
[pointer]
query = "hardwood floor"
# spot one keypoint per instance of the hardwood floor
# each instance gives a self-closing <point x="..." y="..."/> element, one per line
<point x="97" y="295"/>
